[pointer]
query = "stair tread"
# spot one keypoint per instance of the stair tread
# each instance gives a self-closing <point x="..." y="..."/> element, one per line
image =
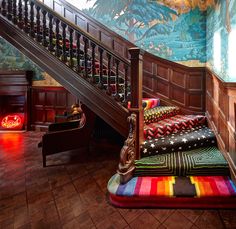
<point x="193" y="138"/>
<point x="171" y="191"/>
<point x="159" y="113"/>
<point x="202" y="161"/>
<point x="172" y="125"/>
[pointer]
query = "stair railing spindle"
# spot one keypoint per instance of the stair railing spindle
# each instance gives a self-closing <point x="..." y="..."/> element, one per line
<point x="50" y="46"/>
<point x="100" y="84"/>
<point x="9" y="9"/>
<point x="109" y="91"/>
<point x="20" y="14"/>
<point x="93" y="80"/>
<point x="45" y="43"/>
<point x="117" y="96"/>
<point x="58" y="46"/>
<point x="38" y="24"/>
<point x="32" y="33"/>
<point x="71" y="50"/>
<point x="26" y="14"/>
<point x="64" y="54"/>
<point x="78" y="68"/>
<point x="14" y="10"/>
<point x="125" y="85"/>
<point x="4" y="8"/>
<point x="86" y="45"/>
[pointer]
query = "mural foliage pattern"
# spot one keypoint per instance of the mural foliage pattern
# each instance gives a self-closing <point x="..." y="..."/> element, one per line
<point x="174" y="30"/>
<point x="12" y="59"/>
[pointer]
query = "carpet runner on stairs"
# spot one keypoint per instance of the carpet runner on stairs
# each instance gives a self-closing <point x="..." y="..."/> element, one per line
<point x="172" y="125"/>
<point x="172" y="191"/>
<point x="202" y="161"/>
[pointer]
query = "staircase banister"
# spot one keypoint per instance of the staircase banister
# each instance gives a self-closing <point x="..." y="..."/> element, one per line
<point x="81" y="31"/>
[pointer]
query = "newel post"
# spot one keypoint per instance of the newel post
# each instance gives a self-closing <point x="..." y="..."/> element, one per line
<point x="136" y="58"/>
<point x="131" y="149"/>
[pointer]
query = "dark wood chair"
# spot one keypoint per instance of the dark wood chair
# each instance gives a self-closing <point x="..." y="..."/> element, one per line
<point x="69" y="135"/>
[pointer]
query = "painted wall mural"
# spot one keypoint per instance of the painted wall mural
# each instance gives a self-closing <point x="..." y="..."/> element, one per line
<point x="172" y="29"/>
<point x="221" y="39"/>
<point x="12" y="59"/>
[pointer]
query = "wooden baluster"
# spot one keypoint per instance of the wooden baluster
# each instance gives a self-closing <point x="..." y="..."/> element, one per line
<point x="58" y="46"/>
<point x="38" y="24"/>
<point x="26" y="20"/>
<point x="100" y="84"/>
<point x="20" y="15"/>
<point x="71" y="49"/>
<point x="93" y="80"/>
<point x="4" y="8"/>
<point x="14" y="10"/>
<point x="9" y="9"/>
<point x="125" y="101"/>
<point x="78" y="68"/>
<point x="64" y="54"/>
<point x="45" y="43"/>
<point x="32" y="32"/>
<point x="109" y="91"/>
<point x="50" y="46"/>
<point x="86" y="44"/>
<point x="117" y="96"/>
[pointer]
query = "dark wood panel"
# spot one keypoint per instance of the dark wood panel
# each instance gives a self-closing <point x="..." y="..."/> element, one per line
<point x="221" y="114"/>
<point x="48" y="102"/>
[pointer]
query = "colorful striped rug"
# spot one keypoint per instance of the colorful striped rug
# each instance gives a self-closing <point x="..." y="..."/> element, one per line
<point x="172" y="191"/>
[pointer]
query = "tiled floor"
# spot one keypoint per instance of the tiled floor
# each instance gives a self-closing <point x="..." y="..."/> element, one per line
<point x="71" y="192"/>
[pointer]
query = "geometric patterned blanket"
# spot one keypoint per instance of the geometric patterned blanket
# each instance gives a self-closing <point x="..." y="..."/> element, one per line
<point x="173" y="124"/>
<point x="171" y="186"/>
<point x="197" y="137"/>
<point x="203" y="161"/>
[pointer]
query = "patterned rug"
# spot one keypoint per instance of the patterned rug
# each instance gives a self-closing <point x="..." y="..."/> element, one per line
<point x="170" y="191"/>
<point x="159" y="113"/>
<point x="193" y="138"/>
<point x="172" y="125"/>
<point x="202" y="161"/>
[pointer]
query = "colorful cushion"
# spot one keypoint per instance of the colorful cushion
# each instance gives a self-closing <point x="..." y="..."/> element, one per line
<point x="202" y="161"/>
<point x="193" y="138"/>
<point x="158" y="113"/>
<point x="171" y="125"/>
<point x="147" y="103"/>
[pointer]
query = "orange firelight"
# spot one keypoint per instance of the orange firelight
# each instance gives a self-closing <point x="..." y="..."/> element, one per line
<point x="12" y="121"/>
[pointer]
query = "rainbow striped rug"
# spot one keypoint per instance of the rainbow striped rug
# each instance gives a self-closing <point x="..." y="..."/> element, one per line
<point x="174" y="192"/>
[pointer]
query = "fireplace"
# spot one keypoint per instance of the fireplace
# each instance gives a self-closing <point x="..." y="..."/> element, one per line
<point x="15" y="95"/>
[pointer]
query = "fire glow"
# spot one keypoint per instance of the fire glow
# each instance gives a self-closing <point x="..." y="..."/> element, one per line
<point x="12" y="121"/>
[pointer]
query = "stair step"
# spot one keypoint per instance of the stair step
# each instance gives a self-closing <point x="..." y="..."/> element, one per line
<point x="202" y="161"/>
<point x="171" y="125"/>
<point x="159" y="113"/>
<point x="173" y="192"/>
<point x="193" y="138"/>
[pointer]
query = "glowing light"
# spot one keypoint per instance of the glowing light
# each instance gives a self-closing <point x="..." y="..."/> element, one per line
<point x="12" y="121"/>
<point x="232" y="54"/>
<point x="82" y="4"/>
<point x="217" y="51"/>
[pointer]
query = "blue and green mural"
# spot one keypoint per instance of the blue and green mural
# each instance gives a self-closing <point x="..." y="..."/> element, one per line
<point x="174" y="30"/>
<point x="221" y="39"/>
<point x="12" y="59"/>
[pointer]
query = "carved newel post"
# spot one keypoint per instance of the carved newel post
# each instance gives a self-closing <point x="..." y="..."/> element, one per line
<point x="131" y="149"/>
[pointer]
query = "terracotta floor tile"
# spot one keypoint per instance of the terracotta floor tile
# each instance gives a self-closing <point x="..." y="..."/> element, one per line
<point x="229" y="218"/>
<point x="130" y="214"/>
<point x="177" y="221"/>
<point x="161" y="214"/>
<point x="210" y="220"/>
<point x="190" y="214"/>
<point x="145" y="220"/>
